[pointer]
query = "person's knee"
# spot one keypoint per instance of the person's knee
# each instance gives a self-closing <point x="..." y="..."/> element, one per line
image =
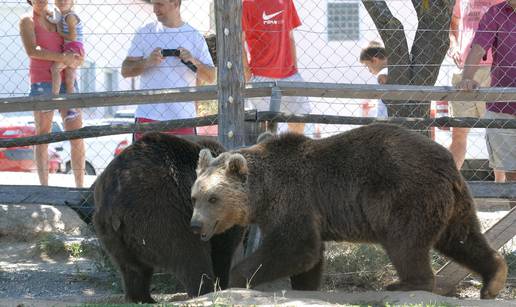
<point x="56" y="68"/>
<point x="75" y="123"/>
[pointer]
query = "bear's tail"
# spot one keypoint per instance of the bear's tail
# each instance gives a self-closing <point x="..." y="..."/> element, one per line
<point x="463" y="242"/>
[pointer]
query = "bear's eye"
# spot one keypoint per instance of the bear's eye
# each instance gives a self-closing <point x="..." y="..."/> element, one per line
<point x="193" y="199"/>
<point x="212" y="199"/>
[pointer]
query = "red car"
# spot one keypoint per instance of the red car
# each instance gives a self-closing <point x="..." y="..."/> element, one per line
<point x="21" y="158"/>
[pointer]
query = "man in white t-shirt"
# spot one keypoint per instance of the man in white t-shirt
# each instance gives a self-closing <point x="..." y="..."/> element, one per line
<point x="145" y="59"/>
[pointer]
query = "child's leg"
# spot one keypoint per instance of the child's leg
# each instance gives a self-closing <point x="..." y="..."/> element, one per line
<point x="56" y="69"/>
<point x="70" y="73"/>
<point x="70" y="79"/>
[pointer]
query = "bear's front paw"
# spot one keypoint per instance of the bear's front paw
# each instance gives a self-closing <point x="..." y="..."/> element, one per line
<point x="237" y="280"/>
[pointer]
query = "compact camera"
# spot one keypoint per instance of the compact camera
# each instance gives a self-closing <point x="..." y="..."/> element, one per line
<point x="176" y="53"/>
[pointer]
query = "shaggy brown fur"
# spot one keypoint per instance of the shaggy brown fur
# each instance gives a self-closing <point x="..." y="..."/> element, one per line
<point x="378" y="183"/>
<point x="143" y="212"/>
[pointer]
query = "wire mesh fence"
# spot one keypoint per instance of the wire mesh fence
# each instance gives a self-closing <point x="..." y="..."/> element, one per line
<point x="330" y="42"/>
<point x="336" y="41"/>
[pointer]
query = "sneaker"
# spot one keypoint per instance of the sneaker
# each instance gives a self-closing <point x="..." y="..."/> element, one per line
<point x="71" y="114"/>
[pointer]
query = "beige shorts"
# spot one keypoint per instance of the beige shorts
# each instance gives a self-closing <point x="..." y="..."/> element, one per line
<point x="471" y="108"/>
<point x="289" y="104"/>
<point x="501" y="144"/>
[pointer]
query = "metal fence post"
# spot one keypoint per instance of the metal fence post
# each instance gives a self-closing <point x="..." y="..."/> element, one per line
<point x="230" y="72"/>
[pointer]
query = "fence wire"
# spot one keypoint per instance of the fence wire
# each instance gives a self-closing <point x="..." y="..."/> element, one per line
<point x="334" y="41"/>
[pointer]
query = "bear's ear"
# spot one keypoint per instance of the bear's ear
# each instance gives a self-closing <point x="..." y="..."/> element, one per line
<point x="236" y="164"/>
<point x="205" y="158"/>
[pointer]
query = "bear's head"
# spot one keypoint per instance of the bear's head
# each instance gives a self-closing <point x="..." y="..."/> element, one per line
<point x="219" y="194"/>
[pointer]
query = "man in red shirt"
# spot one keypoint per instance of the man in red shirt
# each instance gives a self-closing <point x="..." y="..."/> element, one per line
<point x="267" y="27"/>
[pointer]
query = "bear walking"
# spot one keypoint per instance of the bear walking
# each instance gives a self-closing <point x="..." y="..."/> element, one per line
<point x="143" y="212"/>
<point x="378" y="183"/>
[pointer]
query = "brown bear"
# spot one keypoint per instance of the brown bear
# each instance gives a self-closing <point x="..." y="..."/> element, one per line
<point x="142" y="218"/>
<point x="379" y="183"/>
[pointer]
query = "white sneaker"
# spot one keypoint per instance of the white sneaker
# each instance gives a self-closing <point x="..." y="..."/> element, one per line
<point x="71" y="114"/>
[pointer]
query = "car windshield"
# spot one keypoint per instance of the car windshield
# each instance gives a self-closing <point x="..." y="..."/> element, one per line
<point x="124" y="113"/>
<point x="17" y="114"/>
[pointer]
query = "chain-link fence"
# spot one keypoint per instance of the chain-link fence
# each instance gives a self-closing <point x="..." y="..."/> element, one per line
<point x="399" y="43"/>
<point x="333" y="42"/>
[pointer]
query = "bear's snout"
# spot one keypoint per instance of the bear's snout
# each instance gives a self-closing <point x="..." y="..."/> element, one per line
<point x="196" y="226"/>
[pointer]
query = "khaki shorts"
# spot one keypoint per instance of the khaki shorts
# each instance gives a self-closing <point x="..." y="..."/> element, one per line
<point x="471" y="108"/>
<point x="289" y="104"/>
<point x="501" y="144"/>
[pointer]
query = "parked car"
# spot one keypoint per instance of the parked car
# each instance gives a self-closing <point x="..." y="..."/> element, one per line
<point x="21" y="158"/>
<point x="98" y="151"/>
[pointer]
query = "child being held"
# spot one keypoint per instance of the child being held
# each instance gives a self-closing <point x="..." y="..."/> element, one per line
<point x="374" y="58"/>
<point x="70" y="27"/>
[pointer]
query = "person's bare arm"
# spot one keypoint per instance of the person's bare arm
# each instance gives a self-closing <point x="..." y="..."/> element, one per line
<point x="71" y="21"/>
<point x="454" y="51"/>
<point x="205" y="73"/>
<point x="36" y="52"/>
<point x="382" y="79"/>
<point x="470" y="68"/>
<point x="245" y="61"/>
<point x="293" y="45"/>
<point x="135" y="66"/>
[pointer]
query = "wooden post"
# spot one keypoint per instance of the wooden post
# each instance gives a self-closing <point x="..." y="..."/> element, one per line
<point x="230" y="72"/>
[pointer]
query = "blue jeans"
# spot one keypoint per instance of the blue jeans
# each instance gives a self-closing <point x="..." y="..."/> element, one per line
<point x="45" y="88"/>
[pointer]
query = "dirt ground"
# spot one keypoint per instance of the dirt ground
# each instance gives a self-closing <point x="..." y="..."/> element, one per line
<point x="28" y="278"/>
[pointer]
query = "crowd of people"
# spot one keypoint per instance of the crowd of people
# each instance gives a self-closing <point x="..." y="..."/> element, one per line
<point x="169" y="53"/>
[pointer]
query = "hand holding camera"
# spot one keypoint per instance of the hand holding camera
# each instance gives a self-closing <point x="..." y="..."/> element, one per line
<point x="177" y="53"/>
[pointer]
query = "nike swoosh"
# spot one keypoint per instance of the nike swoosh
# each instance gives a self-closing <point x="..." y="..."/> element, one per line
<point x="267" y="17"/>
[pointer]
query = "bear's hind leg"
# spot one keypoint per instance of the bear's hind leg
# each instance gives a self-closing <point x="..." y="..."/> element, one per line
<point x="137" y="283"/>
<point x="412" y="264"/>
<point x="473" y="252"/>
<point x="311" y="279"/>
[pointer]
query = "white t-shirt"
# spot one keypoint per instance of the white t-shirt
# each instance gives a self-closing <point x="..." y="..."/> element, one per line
<point x="171" y="73"/>
<point x="381" y="108"/>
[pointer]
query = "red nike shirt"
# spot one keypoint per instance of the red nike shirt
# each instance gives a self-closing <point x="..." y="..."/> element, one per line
<point x="267" y="25"/>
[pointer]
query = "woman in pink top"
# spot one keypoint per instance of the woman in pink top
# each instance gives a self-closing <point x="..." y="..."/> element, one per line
<point x="44" y="46"/>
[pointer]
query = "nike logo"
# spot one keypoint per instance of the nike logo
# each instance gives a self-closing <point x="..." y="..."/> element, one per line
<point x="270" y="16"/>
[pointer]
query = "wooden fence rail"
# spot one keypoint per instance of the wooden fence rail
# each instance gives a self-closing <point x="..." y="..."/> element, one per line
<point x="261" y="89"/>
<point x="253" y="116"/>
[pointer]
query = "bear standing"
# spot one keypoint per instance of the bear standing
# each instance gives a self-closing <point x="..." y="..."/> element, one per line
<point x="379" y="184"/>
<point x="143" y="212"/>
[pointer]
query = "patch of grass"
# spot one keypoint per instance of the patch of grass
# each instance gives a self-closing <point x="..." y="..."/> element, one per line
<point x="207" y="107"/>
<point x="165" y="283"/>
<point x="51" y="246"/>
<point x="361" y="265"/>
<point x="75" y="249"/>
<point x="421" y="305"/>
<point x="510" y="258"/>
